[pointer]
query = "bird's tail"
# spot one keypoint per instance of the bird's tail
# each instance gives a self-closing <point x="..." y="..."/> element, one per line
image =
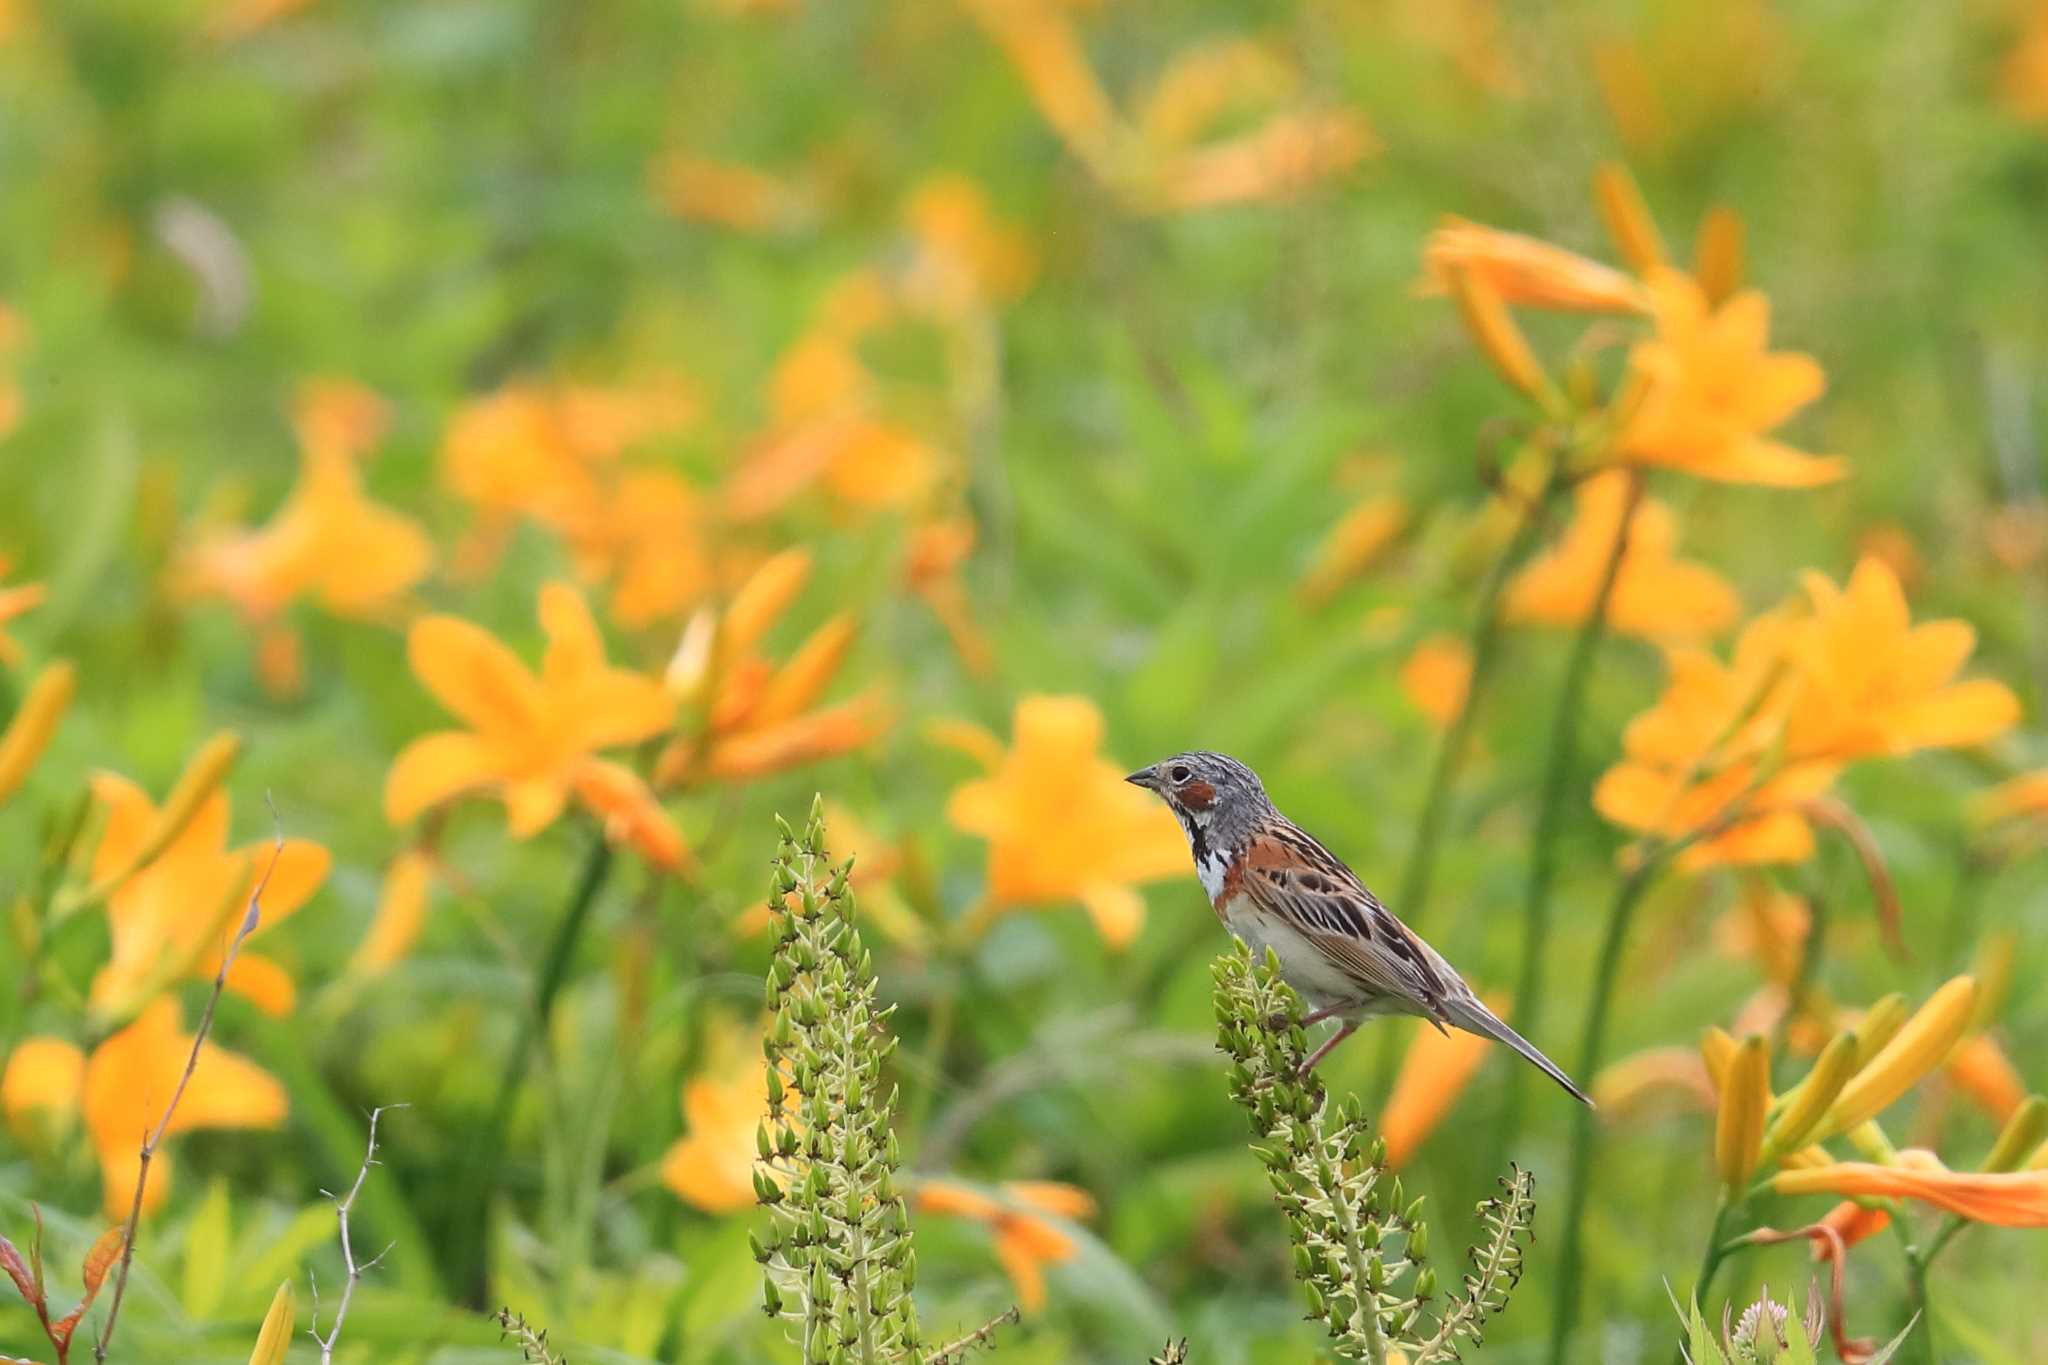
<point x="1472" y="1016"/>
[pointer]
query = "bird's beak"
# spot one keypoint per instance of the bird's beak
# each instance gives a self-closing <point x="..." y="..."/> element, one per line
<point x="1142" y="778"/>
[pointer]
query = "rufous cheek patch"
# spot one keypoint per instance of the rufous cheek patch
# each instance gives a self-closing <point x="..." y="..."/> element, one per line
<point x="1198" y="796"/>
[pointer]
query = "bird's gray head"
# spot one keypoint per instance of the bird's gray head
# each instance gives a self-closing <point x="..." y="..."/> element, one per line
<point x="1216" y="798"/>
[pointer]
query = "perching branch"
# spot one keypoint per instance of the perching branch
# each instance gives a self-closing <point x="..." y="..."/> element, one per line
<point x="250" y="920"/>
<point x="342" y="1208"/>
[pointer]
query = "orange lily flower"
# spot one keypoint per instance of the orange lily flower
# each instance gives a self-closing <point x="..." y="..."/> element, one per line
<point x="1697" y="759"/>
<point x="1872" y="682"/>
<point x="123" y="1088"/>
<point x="761" y="718"/>
<point x="649" y="540"/>
<point x="532" y="740"/>
<point x="1360" y="536"/>
<point x="401" y="913"/>
<point x="1803" y="696"/>
<point x="168" y="921"/>
<point x="14" y="601"/>
<point x="1437" y="677"/>
<point x="1768" y="924"/>
<point x="826" y="432"/>
<point x="1026" y="1239"/>
<point x="13" y="336"/>
<point x="1708" y="390"/>
<point x="932" y="569"/>
<point x="1208" y="83"/>
<point x="1063" y="824"/>
<point x="39" y="1089"/>
<point x="726" y="194"/>
<point x="712" y="1165"/>
<point x="1437" y="1068"/>
<point x="2023" y="78"/>
<point x="340" y="416"/>
<point x="1981" y="1070"/>
<point x="1046" y="53"/>
<point x="1287" y="154"/>
<point x="328" y="542"/>
<point x="1655" y="593"/>
<point x="1526" y="270"/>
<point x="966" y="257"/>
<point x="2017" y="1199"/>
<point x="548" y="454"/>
<point x="2023" y="796"/>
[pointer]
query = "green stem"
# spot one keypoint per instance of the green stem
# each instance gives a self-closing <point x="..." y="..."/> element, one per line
<point x="471" y="1211"/>
<point x="1918" y="1263"/>
<point x="1591" y="1049"/>
<point x="1420" y="869"/>
<point x="1557" y="775"/>
<point x="1710" y="1261"/>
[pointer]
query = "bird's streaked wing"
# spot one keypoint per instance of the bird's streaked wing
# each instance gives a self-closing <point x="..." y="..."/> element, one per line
<point x="1295" y="877"/>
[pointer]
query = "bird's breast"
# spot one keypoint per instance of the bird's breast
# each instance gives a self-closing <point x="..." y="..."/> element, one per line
<point x="1304" y="966"/>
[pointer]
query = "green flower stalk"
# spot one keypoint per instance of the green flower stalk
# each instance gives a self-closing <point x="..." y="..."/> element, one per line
<point x="1360" y="1249"/>
<point x="838" y="1261"/>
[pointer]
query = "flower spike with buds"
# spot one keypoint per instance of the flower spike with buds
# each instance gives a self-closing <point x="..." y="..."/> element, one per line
<point x="837" y="1256"/>
<point x="1360" y="1249"/>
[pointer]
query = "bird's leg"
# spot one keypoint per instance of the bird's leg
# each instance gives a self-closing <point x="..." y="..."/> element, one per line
<point x="1277" y="1021"/>
<point x="1339" y="1036"/>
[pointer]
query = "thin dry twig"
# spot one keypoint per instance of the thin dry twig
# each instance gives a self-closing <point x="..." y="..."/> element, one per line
<point x="982" y="1336"/>
<point x="250" y="920"/>
<point x="342" y="1207"/>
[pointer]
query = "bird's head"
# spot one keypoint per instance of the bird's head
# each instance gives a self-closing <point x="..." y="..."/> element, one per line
<point x="1207" y="791"/>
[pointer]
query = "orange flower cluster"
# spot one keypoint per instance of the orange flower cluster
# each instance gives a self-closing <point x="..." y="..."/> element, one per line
<point x="760" y="718"/>
<point x="1703" y="390"/>
<point x="1734" y="753"/>
<point x="1163" y="158"/>
<point x="329" y="543"/>
<point x="532" y="740"/>
<point x="555" y="456"/>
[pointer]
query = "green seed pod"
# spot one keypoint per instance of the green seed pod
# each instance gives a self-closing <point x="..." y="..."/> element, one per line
<point x="1418" y="1241"/>
<point x="1316" y="1306"/>
<point x="1425" y="1283"/>
<point x="771" y="1297"/>
<point x="761" y="1142"/>
<point x="1304" y="1263"/>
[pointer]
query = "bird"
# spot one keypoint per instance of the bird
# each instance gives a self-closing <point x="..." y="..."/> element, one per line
<point x="1273" y="885"/>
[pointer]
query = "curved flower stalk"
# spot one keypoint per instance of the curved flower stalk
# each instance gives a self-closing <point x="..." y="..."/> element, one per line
<point x="1359" y="1249"/>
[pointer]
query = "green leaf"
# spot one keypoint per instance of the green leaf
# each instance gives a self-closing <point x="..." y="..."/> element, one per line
<point x="1700" y="1343"/>
<point x="204" y="1277"/>
<point x="1891" y="1348"/>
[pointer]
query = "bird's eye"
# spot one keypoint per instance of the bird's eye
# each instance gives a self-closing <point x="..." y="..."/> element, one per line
<point x="1179" y="772"/>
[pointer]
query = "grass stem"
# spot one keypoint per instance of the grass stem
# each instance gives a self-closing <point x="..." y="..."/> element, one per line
<point x="470" y="1213"/>
<point x="1592" y="1049"/>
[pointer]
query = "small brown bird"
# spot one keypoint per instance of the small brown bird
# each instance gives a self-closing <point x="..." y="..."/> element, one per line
<point x="1275" y="887"/>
